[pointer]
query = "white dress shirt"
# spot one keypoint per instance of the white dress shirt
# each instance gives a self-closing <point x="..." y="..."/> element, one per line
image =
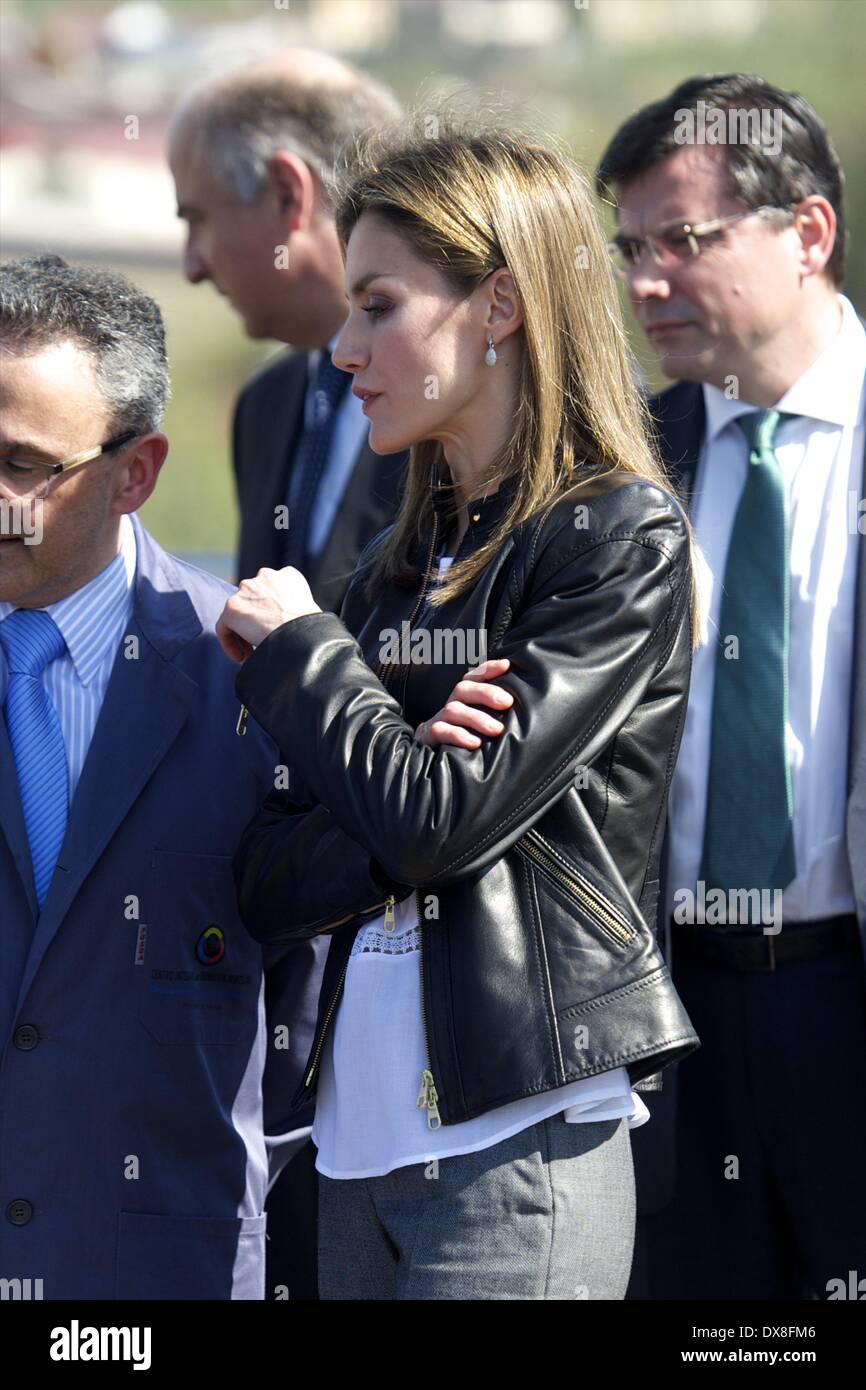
<point x="92" y="621"/>
<point x="821" y="458"/>
<point x="367" y="1121"/>
<point x="350" y="432"/>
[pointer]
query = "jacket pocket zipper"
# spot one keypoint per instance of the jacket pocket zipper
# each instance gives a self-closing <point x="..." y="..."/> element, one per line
<point x="389" y="915"/>
<point x="590" y="899"/>
<point x="428" y="1097"/>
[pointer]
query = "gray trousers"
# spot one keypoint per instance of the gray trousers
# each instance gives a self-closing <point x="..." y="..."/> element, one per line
<point x="546" y="1214"/>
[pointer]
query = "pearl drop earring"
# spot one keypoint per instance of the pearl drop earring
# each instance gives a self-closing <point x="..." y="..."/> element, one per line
<point x="490" y="354"/>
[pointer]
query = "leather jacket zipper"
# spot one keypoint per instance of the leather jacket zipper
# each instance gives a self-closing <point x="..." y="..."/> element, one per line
<point x="428" y="1096"/>
<point x="381" y="673"/>
<point x="388" y="905"/>
<point x="603" y="912"/>
<point x="380" y="669"/>
<point x="389" y="909"/>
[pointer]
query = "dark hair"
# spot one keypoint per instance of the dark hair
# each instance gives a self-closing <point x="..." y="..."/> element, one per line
<point x="44" y="300"/>
<point x="807" y="163"/>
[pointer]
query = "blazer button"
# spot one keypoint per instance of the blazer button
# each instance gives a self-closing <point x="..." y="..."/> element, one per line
<point x="26" y="1037"/>
<point x="19" y="1212"/>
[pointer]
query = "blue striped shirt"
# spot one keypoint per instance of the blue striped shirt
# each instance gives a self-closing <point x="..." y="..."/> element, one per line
<point x="92" y="620"/>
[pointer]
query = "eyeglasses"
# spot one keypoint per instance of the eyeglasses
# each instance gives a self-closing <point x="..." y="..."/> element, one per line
<point x="681" y="241"/>
<point x="27" y="478"/>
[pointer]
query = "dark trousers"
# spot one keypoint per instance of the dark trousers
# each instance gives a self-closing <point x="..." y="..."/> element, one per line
<point x="292" y="1260"/>
<point x="770" y="1136"/>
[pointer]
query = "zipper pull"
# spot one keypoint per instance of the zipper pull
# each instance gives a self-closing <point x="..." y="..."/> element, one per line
<point x="390" y="919"/>
<point x="243" y="720"/>
<point x="428" y="1099"/>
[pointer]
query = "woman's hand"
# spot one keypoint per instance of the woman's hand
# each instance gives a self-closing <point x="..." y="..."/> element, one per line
<point x="456" y="719"/>
<point x="260" y="606"/>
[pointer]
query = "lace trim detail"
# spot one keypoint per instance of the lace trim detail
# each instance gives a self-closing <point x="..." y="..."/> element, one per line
<point x="375" y="940"/>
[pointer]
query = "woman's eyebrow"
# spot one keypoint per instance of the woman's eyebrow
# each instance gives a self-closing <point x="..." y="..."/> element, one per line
<point x="360" y="285"/>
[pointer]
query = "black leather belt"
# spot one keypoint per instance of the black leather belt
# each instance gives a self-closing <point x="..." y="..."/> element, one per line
<point x="748" y="948"/>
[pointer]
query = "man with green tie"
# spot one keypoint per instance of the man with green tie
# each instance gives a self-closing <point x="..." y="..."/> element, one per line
<point x="732" y="249"/>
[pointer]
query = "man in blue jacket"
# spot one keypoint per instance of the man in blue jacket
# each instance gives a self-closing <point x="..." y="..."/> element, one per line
<point x="149" y="1050"/>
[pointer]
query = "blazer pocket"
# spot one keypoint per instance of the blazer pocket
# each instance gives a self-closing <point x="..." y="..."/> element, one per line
<point x="189" y="1257"/>
<point x="202" y="971"/>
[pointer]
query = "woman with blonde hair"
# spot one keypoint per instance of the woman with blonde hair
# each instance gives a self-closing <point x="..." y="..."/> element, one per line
<point x="493" y="991"/>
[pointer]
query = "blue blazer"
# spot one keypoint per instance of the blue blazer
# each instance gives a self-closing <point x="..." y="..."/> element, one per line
<point x="134" y="1091"/>
<point x="679" y="425"/>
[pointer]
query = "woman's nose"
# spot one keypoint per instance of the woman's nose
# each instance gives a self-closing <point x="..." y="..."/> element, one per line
<point x="347" y="354"/>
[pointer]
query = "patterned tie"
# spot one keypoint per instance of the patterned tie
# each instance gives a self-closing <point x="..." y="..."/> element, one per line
<point x="749" y="834"/>
<point x="31" y="639"/>
<point x="330" y="388"/>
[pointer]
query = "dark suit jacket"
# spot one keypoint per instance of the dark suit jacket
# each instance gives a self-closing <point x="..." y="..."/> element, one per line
<point x="268" y="423"/>
<point x="679" y="423"/>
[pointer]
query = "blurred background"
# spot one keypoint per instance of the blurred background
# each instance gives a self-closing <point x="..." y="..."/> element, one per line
<point x="87" y="87"/>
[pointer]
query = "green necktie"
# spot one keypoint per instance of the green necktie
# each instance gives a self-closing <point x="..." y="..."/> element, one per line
<point x="749" y="831"/>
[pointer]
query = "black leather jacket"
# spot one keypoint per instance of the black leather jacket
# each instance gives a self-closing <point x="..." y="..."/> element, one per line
<point x="534" y="858"/>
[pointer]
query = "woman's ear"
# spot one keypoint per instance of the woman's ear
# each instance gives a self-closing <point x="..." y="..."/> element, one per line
<point x="504" y="304"/>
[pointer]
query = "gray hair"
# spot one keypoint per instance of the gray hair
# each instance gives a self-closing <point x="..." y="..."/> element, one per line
<point x="243" y="123"/>
<point x="44" y="300"/>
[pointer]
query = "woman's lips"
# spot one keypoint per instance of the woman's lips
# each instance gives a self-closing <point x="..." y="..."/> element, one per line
<point x="370" y="400"/>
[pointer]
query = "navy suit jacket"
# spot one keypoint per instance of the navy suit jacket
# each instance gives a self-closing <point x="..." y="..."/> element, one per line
<point x="679" y="417"/>
<point x="134" y="1090"/>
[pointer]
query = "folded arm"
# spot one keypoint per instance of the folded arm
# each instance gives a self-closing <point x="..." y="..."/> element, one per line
<point x="598" y="619"/>
<point x="298" y="873"/>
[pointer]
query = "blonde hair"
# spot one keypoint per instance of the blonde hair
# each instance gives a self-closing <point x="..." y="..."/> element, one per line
<point x="469" y="199"/>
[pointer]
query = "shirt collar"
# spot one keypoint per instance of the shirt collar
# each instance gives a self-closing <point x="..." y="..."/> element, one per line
<point x="89" y="617"/>
<point x="831" y="389"/>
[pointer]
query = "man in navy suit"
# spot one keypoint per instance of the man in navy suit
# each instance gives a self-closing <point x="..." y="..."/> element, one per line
<point x="252" y="153"/>
<point x="731" y="241"/>
<point x="149" y="1049"/>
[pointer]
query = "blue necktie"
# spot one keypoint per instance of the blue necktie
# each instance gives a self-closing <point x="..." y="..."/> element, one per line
<point x="315" y="444"/>
<point x="749" y="834"/>
<point x="31" y="639"/>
